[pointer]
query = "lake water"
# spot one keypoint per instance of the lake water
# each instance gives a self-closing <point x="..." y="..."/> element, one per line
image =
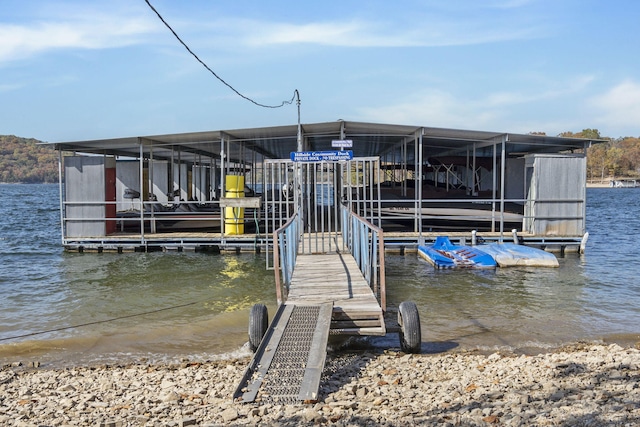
<point x="61" y="308"/>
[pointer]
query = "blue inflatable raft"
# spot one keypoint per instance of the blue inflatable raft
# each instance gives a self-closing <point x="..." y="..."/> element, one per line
<point x="444" y="254"/>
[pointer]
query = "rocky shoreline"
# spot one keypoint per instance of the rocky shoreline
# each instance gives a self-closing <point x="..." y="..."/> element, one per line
<point x="578" y="385"/>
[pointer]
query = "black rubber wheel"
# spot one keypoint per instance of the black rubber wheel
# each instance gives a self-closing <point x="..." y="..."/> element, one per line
<point x="410" y="332"/>
<point x="258" y="324"/>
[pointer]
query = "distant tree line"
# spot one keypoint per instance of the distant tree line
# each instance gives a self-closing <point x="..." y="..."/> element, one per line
<point x="23" y="160"/>
<point x="615" y="158"/>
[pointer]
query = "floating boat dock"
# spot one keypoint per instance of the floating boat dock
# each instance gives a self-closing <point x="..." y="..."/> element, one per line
<point x="229" y="190"/>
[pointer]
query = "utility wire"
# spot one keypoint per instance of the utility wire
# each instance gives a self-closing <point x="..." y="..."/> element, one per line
<point x="295" y="93"/>
<point x="63" y="328"/>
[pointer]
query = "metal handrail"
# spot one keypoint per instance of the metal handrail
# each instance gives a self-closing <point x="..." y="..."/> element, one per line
<point x="365" y="241"/>
<point x="286" y="240"/>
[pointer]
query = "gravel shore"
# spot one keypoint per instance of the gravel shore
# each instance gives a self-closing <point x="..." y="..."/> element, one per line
<point x="578" y="385"/>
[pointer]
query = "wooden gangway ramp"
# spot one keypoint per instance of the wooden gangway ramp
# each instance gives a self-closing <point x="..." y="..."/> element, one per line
<point x="328" y="295"/>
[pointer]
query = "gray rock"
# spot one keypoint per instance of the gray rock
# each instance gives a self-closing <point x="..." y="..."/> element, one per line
<point x="229" y="415"/>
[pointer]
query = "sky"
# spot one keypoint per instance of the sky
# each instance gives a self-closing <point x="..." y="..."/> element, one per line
<point x="80" y="70"/>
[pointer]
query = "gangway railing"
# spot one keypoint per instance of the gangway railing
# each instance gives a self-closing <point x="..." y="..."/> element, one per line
<point x="286" y="241"/>
<point x="362" y="239"/>
<point x="365" y="241"/>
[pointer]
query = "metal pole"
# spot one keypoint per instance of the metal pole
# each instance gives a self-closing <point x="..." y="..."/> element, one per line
<point x="62" y="208"/>
<point x="494" y="185"/>
<point x="301" y="185"/>
<point x="419" y="182"/>
<point x="417" y="201"/>
<point x="502" y="169"/>
<point x="223" y="162"/>
<point x="152" y="224"/>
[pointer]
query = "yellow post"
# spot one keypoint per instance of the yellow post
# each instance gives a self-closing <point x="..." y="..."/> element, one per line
<point x="234" y="217"/>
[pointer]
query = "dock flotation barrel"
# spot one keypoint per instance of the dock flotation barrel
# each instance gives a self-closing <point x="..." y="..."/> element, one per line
<point x="234" y="217"/>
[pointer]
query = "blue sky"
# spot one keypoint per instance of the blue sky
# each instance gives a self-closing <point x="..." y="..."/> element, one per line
<point x="72" y="70"/>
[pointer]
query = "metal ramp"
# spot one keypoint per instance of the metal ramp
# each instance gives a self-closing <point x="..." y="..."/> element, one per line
<point x="288" y="364"/>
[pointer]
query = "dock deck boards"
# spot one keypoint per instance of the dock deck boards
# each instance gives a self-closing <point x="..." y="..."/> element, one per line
<point x="335" y="278"/>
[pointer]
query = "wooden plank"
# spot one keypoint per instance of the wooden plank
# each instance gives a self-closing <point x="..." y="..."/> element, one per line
<point x="240" y="202"/>
<point x="336" y="278"/>
<point x="378" y="331"/>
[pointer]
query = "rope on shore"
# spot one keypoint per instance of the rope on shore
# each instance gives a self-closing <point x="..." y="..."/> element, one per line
<point x="63" y="328"/>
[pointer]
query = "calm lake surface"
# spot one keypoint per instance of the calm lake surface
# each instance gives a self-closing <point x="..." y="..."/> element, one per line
<point x="63" y="309"/>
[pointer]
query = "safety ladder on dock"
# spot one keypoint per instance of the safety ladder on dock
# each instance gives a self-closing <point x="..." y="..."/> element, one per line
<point x="340" y="291"/>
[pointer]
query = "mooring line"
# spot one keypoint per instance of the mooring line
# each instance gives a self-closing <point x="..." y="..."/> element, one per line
<point x="98" y="321"/>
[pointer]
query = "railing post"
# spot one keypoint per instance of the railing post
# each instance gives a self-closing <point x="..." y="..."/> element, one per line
<point x="366" y="244"/>
<point x="276" y="267"/>
<point x="285" y="250"/>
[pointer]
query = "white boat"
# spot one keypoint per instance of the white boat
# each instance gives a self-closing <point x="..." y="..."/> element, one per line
<point x="625" y="183"/>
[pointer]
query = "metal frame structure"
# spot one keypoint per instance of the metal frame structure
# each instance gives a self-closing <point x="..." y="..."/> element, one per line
<point x="412" y="160"/>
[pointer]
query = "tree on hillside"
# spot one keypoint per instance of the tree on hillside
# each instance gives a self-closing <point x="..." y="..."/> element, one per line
<point x="613" y="158"/>
<point x="23" y="160"/>
<point x="630" y="162"/>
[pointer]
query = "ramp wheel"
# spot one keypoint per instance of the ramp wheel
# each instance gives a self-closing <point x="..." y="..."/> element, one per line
<point x="410" y="332"/>
<point x="258" y="324"/>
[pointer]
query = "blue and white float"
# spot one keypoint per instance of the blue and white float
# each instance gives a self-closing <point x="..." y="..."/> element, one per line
<point x="513" y="255"/>
<point x="444" y="254"/>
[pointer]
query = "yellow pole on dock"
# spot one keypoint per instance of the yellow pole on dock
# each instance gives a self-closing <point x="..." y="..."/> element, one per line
<point x="234" y="217"/>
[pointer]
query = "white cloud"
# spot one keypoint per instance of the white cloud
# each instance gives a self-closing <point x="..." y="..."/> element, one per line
<point x="482" y="111"/>
<point x="619" y="106"/>
<point x="10" y="87"/>
<point x="358" y="33"/>
<point x="509" y="4"/>
<point x="436" y="107"/>
<point x="90" y="31"/>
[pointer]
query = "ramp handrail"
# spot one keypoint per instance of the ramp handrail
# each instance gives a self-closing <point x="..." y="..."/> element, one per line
<point x="286" y="240"/>
<point x="366" y="243"/>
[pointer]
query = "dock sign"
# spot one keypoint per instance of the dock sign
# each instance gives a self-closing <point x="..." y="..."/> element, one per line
<point x="321" y="156"/>
<point x="342" y="143"/>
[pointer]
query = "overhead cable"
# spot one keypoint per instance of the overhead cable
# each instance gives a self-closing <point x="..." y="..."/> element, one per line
<point x="213" y="72"/>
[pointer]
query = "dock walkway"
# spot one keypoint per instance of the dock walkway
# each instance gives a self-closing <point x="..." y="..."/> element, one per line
<point x="328" y="295"/>
<point x="335" y="277"/>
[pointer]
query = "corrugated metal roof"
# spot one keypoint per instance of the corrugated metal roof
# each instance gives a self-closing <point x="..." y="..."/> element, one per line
<point x="369" y="139"/>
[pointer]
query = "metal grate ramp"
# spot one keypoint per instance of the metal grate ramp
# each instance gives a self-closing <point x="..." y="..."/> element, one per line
<point x="288" y="363"/>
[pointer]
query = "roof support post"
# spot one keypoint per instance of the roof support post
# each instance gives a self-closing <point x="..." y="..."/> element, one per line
<point x="62" y="210"/>
<point x="474" y="181"/>
<point x="418" y="141"/>
<point x="494" y="186"/>
<point x="417" y="203"/>
<point x="503" y="161"/>
<point x="223" y="168"/>
<point x="150" y="185"/>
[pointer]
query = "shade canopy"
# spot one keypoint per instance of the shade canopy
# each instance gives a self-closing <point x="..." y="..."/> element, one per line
<point x="368" y="139"/>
